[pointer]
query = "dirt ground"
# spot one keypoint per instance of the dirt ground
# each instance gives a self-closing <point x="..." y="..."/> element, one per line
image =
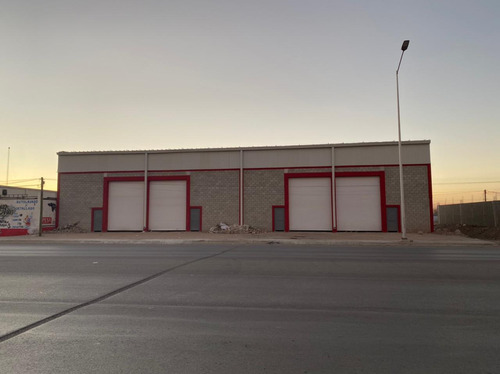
<point x="478" y="232"/>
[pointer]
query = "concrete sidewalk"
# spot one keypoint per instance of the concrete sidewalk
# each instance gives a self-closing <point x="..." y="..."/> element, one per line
<point x="307" y="238"/>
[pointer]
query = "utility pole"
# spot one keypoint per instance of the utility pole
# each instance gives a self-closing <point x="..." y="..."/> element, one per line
<point x="41" y="207"/>
<point x="484" y="195"/>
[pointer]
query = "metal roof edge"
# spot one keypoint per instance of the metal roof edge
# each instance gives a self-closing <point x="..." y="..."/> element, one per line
<point x="251" y="148"/>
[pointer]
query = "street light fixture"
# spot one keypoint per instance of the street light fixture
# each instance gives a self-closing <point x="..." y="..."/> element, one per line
<point x="404" y="47"/>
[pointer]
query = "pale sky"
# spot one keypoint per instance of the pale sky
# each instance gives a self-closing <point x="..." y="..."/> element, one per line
<point x="148" y="74"/>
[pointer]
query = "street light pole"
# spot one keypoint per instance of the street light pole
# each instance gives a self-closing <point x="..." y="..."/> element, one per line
<point x="404" y="47"/>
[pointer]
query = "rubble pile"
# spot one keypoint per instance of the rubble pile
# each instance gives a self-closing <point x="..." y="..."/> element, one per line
<point x="472" y="231"/>
<point x="70" y="228"/>
<point x="223" y="228"/>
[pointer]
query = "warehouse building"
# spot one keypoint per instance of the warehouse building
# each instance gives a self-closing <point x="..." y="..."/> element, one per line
<point x="329" y="187"/>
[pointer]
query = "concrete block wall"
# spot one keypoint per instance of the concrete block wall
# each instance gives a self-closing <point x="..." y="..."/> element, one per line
<point x="217" y="192"/>
<point x="263" y="189"/>
<point x="417" y="203"/>
<point x="78" y="194"/>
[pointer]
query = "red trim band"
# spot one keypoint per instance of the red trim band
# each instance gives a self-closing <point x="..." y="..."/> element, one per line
<point x="237" y="169"/>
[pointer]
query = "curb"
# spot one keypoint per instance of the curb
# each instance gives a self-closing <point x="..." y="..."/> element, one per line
<point x="270" y="241"/>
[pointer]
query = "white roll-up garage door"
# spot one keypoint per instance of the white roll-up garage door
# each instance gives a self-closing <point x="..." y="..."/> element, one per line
<point x="167" y="205"/>
<point x="358" y="204"/>
<point x="126" y="206"/>
<point x="310" y="204"/>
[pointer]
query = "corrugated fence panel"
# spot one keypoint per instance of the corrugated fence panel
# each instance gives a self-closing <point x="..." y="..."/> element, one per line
<point x="478" y="214"/>
<point x="496" y="213"/>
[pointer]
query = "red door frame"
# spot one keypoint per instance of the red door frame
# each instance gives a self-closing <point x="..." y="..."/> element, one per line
<point x="289" y="176"/>
<point x="105" y="204"/>
<point x="379" y="174"/>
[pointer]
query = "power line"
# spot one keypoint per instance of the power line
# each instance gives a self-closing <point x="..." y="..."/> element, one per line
<point x="28" y="186"/>
<point x="465" y="182"/>
<point x="16" y="181"/>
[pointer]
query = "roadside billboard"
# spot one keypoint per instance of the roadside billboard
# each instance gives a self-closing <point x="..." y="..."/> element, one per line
<point x="20" y="216"/>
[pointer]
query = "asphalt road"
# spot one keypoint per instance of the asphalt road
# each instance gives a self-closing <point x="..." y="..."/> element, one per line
<point x="85" y="308"/>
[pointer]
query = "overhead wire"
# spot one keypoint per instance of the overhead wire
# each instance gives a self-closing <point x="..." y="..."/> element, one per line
<point x="484" y="182"/>
<point x="17" y="181"/>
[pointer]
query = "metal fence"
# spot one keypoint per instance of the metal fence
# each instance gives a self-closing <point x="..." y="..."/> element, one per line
<point x="486" y="213"/>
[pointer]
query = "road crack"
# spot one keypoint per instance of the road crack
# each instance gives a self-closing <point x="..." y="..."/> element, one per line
<point x="127" y="287"/>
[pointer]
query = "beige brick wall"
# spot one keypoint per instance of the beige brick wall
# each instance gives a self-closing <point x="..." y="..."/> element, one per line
<point x="216" y="191"/>
<point x="416" y="187"/>
<point x="263" y="189"/>
<point x="78" y="194"/>
<point x="218" y="194"/>
<point x="417" y="204"/>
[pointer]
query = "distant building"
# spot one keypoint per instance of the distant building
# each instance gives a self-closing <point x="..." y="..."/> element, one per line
<point x="328" y="187"/>
<point x="20" y="210"/>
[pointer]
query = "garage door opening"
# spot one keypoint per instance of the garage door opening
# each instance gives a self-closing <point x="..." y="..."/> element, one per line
<point x="310" y="204"/>
<point x="167" y="205"/>
<point x="358" y="204"/>
<point x="126" y="206"/>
